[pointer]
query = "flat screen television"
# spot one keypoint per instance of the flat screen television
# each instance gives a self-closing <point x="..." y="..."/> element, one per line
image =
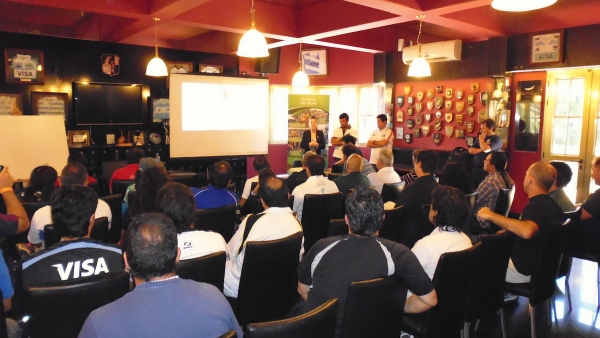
<point x="107" y="103"/>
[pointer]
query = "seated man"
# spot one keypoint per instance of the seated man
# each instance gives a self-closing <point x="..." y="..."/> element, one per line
<point x="161" y="305"/>
<point x="350" y="149"/>
<point x="346" y="140"/>
<point x="72" y="174"/>
<point x="540" y="213"/>
<point x="353" y="177"/>
<point x="216" y="195"/>
<point x="315" y="184"/>
<point x="386" y="172"/>
<point x="488" y="190"/>
<point x="260" y="162"/>
<point x="557" y="192"/>
<point x="75" y="257"/>
<point x="15" y="220"/>
<point x="299" y="177"/>
<point x="127" y="173"/>
<point x="447" y="212"/>
<point x="276" y="222"/>
<point x="334" y="262"/>
<point x="177" y="202"/>
<point x="414" y="196"/>
<point x="586" y="235"/>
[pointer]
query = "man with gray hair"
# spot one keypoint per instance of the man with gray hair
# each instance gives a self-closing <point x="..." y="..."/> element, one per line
<point x="385" y="171"/>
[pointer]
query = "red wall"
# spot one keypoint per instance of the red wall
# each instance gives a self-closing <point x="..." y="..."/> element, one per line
<point x="345" y="67"/>
<point x="448" y="143"/>
<point x="519" y="161"/>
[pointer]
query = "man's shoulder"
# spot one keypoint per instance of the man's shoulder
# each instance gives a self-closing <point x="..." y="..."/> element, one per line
<point x="66" y="246"/>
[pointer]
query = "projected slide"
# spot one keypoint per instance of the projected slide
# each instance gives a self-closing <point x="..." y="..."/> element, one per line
<point x="210" y="106"/>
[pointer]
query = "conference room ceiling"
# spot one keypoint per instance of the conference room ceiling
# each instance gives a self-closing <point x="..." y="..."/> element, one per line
<point x="217" y="25"/>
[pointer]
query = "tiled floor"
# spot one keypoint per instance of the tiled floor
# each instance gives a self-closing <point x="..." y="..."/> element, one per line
<point x="582" y="321"/>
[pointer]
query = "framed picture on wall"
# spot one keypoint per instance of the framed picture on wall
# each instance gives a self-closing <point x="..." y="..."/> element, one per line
<point x="24" y="66"/>
<point x="79" y="138"/>
<point x="43" y="103"/>
<point x="176" y="67"/>
<point x="11" y="104"/>
<point x="315" y="62"/>
<point x="160" y="109"/>
<point x="211" y="69"/>
<point x="546" y="48"/>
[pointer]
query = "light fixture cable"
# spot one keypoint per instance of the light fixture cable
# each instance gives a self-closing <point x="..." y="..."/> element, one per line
<point x="253" y="43"/>
<point x="419" y="67"/>
<point x="156" y="66"/>
<point x="300" y="78"/>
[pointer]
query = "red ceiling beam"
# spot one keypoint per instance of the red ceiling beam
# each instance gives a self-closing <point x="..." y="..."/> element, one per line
<point x="124" y="8"/>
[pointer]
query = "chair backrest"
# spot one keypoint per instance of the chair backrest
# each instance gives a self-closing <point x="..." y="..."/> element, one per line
<point x="545" y="271"/>
<point x="572" y="245"/>
<point x="269" y="279"/>
<point x="291" y="201"/>
<point x="51" y="235"/>
<point x="316" y="213"/>
<point x="32" y="207"/>
<point x="486" y="295"/>
<point x="230" y="334"/>
<point x="452" y="282"/>
<point x="221" y="220"/>
<point x="120" y="186"/>
<point x="471" y="199"/>
<point x="391" y="191"/>
<point x="374" y="308"/>
<point x="337" y="227"/>
<point x="188" y="179"/>
<point x="206" y="269"/>
<point x="392" y="224"/>
<point x="332" y="176"/>
<point x="60" y="311"/>
<point x="100" y="231"/>
<point x="504" y="201"/>
<point x="318" y="323"/>
<point x="114" y="203"/>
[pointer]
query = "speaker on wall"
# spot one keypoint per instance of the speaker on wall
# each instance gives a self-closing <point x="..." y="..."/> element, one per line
<point x="269" y="64"/>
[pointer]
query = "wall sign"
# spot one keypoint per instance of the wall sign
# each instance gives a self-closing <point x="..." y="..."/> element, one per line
<point x="546" y="48"/>
<point x="24" y="66"/>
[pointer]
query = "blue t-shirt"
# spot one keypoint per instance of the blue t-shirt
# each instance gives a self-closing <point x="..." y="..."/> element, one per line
<point x="5" y="283"/>
<point x="171" y="308"/>
<point x="211" y="197"/>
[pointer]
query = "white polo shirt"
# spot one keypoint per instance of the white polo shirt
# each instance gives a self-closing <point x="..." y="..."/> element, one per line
<point x="197" y="243"/>
<point x="313" y="185"/>
<point x="384" y="175"/>
<point x="339" y="133"/>
<point x="379" y="135"/>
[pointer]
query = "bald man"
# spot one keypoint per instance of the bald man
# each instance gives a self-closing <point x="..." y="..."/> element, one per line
<point x="541" y="212"/>
<point x="353" y="178"/>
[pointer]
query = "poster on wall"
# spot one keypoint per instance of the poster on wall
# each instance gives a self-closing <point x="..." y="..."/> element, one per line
<point x="24" y="66"/>
<point x="301" y="108"/>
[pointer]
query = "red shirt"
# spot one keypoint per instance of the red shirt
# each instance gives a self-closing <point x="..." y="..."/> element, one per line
<point x="125" y="173"/>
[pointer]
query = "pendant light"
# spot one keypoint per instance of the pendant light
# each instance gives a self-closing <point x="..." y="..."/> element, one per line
<point x="156" y="66"/>
<point x="253" y="43"/>
<point x="300" y="79"/>
<point x="419" y="67"/>
<point x="521" y="5"/>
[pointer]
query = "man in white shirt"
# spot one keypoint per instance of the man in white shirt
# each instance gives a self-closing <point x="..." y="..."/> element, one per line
<point x="177" y="202"/>
<point x="382" y="138"/>
<point x="72" y="174"/>
<point x="260" y="162"/>
<point x="336" y="139"/>
<point x="315" y="184"/>
<point x="276" y="222"/>
<point x="386" y="172"/>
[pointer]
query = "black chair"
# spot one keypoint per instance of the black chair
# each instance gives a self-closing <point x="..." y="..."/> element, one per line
<point x="337" y="227"/>
<point x="374" y="308"/>
<point x="316" y="213"/>
<point x="269" y="280"/>
<point x="318" y="323"/>
<point x="392" y="224"/>
<point x="503" y="204"/>
<point x="391" y="191"/>
<point x="220" y="220"/>
<point x="131" y="198"/>
<point x="486" y="296"/>
<point x="114" y="203"/>
<point x="333" y="176"/>
<point x="545" y="272"/>
<point x="297" y="164"/>
<point x="188" y="179"/>
<point x="100" y="231"/>
<point x="230" y="334"/>
<point x="291" y="201"/>
<point x="60" y="311"/>
<point x="206" y="269"/>
<point x="32" y="207"/>
<point x="51" y="235"/>
<point x="572" y="249"/>
<point x="120" y="186"/>
<point x="452" y="281"/>
<point x="471" y="199"/>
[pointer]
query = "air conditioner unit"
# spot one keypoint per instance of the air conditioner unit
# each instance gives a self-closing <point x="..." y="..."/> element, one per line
<point x="434" y="52"/>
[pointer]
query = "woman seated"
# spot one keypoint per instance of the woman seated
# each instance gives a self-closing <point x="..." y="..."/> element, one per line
<point x="41" y="185"/>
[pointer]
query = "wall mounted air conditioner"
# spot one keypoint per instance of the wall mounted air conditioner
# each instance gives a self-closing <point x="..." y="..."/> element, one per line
<point x="434" y="52"/>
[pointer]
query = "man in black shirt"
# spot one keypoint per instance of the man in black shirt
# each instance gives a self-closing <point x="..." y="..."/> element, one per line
<point x="335" y="262"/>
<point x="487" y="142"/>
<point x="413" y="197"/>
<point x="75" y="257"/>
<point x="541" y="212"/>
